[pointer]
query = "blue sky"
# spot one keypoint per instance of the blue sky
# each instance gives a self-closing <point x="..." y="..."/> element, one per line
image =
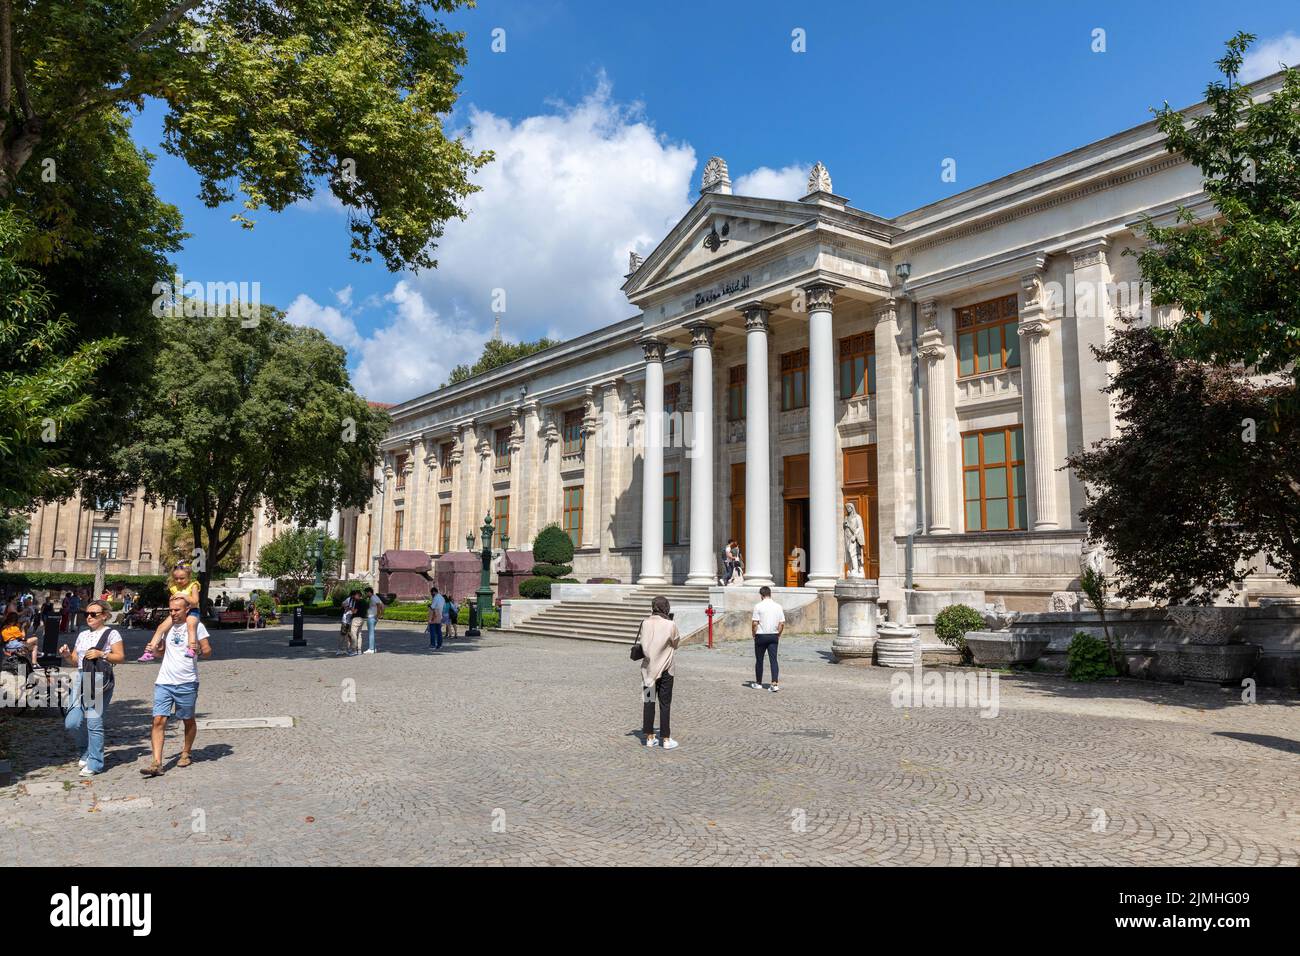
<point x="603" y="116"/>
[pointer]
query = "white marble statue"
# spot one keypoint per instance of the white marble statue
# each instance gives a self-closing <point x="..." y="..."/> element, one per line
<point x="855" y="541"/>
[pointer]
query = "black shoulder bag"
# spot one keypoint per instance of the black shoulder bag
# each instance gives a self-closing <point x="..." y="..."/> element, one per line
<point x="638" y="651"/>
<point x="99" y="667"/>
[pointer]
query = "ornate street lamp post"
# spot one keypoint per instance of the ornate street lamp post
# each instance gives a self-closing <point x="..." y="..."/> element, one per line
<point x="320" y="559"/>
<point x="483" y="596"/>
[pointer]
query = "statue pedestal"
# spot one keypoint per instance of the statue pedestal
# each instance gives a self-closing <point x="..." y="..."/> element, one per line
<point x="898" y="646"/>
<point x="856" y="636"/>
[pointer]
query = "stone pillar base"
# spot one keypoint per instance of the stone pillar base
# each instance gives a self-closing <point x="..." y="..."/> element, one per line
<point x="898" y="646"/>
<point x="856" y="637"/>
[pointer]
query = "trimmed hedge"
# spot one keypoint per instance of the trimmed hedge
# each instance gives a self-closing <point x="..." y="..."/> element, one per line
<point x="535" y="589"/>
<point x="56" y="579"/>
<point x="552" y="546"/>
<point x="552" y="570"/>
<point x="952" y="623"/>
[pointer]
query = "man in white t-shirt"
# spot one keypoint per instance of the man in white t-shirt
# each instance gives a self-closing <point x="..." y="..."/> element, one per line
<point x="177" y="688"/>
<point x="85" y="720"/>
<point x="766" y="625"/>
<point x="375" y="610"/>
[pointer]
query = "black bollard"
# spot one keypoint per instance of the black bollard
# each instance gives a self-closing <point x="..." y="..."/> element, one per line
<point x="298" y="639"/>
<point x="472" y="630"/>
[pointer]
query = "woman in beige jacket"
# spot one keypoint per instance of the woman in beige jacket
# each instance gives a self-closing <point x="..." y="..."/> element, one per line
<point x="659" y="639"/>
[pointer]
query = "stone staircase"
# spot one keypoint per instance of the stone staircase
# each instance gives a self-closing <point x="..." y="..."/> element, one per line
<point x="614" y="622"/>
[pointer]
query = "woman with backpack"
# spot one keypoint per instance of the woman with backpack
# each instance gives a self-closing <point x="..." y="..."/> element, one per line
<point x="94" y="653"/>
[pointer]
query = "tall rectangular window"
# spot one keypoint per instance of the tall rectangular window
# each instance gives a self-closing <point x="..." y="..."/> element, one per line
<point x="501" y="448"/>
<point x="399" y="469"/>
<point x="794" y="380"/>
<point x="573" y="514"/>
<point x="500" y="519"/>
<point x="444" y="459"/>
<point x="572" y="433"/>
<point x="986" y="336"/>
<point x="672" y="395"/>
<point x="444" y="528"/>
<point x="103" y="539"/>
<point x="23" y="543"/>
<point x="993" y="479"/>
<point x="672" y="507"/>
<point x="735" y="393"/>
<point x="399" y="520"/>
<point x="857" y="366"/>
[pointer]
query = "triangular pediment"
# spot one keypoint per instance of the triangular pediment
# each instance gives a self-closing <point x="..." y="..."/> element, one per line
<point x="716" y="228"/>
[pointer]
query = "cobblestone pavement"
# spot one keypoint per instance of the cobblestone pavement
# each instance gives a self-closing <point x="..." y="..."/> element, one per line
<point x="510" y="750"/>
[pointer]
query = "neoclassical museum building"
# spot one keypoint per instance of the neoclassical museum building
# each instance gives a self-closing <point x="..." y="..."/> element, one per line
<point x="788" y="358"/>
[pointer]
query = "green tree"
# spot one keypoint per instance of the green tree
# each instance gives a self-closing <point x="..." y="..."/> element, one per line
<point x="1237" y="275"/>
<point x="497" y="353"/>
<point x="290" y="557"/>
<point x="234" y="417"/>
<point x="265" y="99"/>
<point x="45" y="380"/>
<point x="1202" y="480"/>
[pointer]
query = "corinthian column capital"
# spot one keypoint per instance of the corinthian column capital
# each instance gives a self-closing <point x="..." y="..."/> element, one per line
<point x="653" y="348"/>
<point x="820" y="296"/>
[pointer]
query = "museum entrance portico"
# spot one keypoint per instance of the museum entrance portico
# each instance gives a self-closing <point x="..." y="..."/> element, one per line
<point x="753" y="291"/>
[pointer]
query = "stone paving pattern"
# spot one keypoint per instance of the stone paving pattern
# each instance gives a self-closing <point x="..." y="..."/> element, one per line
<point x="516" y="750"/>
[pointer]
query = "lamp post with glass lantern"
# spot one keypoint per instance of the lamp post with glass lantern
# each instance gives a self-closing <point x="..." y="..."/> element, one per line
<point x="483" y="596"/>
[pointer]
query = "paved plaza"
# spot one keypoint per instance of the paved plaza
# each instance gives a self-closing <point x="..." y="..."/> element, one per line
<point x="510" y="750"/>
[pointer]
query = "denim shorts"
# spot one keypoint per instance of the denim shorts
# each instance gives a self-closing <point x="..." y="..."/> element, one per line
<point x="183" y="697"/>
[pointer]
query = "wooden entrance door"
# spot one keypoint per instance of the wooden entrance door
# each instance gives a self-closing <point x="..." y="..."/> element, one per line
<point x="737" y="510"/>
<point x="860" y="489"/>
<point x="794" y="489"/>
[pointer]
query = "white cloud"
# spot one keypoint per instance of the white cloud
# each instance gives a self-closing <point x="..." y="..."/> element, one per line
<point x="788" y="182"/>
<point x="568" y="195"/>
<point x="1271" y="56"/>
<point x="337" y="327"/>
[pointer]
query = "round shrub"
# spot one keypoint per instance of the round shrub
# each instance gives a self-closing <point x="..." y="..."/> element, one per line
<point x="1088" y="659"/>
<point x="952" y="623"/>
<point x="552" y="546"/>
<point x="306" y="594"/>
<point x="535" y="589"/>
<point x="266" y="604"/>
<point x="551" y="570"/>
<point x="341" y="590"/>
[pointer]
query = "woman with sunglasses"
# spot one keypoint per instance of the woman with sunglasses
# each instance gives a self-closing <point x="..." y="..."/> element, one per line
<point x="85" y="720"/>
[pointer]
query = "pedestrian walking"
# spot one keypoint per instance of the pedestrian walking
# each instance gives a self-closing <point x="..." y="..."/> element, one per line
<point x="356" y="623"/>
<point x="766" y="625"/>
<point x="437" y="611"/>
<point x="449" y="613"/>
<point x="176" y="691"/>
<point x="344" y="648"/>
<point x="374" y="611"/>
<point x="94" y="652"/>
<point x="658" y="639"/>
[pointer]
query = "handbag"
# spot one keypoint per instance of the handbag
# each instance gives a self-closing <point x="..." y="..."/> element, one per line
<point x="99" y="667"/>
<point x="638" y="652"/>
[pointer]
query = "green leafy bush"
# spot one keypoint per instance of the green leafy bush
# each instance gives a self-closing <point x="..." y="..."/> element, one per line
<point x="266" y="604"/>
<point x="535" y="589"/>
<point x="236" y="604"/>
<point x="46" y="580"/>
<point x="306" y="594"/>
<point x="490" y="619"/>
<point x="552" y="546"/>
<point x="115" y="605"/>
<point x="152" y="594"/>
<point x="418" y="613"/>
<point x="952" y="623"/>
<point x="339" y="593"/>
<point x="1088" y="658"/>
<point x="552" y="570"/>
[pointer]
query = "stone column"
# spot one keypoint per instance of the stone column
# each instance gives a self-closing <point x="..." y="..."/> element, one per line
<point x="412" y="529"/>
<point x="703" y="565"/>
<point x="1092" y="315"/>
<point x="933" y="352"/>
<point x="530" y="477"/>
<point x="758" y="481"/>
<point x="1034" y="328"/>
<point x="591" y="467"/>
<point x="431" y="541"/>
<point x="824" y="564"/>
<point x="612" y="457"/>
<point x="652" y="474"/>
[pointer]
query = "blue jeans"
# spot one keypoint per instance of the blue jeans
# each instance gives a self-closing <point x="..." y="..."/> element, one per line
<point x="370" y="629"/>
<point x="435" y="636"/>
<point x="86" y="724"/>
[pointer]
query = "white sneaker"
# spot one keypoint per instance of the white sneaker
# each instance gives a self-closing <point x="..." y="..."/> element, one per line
<point x="368" y="650"/>
<point x="755" y="686"/>
<point x="775" y="688"/>
<point x="87" y="772"/>
<point x="669" y="744"/>
<point x="81" y="763"/>
<point x="652" y="742"/>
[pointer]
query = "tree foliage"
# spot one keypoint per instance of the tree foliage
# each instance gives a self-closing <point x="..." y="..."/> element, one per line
<point x="236" y="417"/>
<point x="1203" y="479"/>
<point x="497" y="353"/>
<point x="291" y="556"/>
<point x="1238" y="274"/>
<point x="265" y="98"/>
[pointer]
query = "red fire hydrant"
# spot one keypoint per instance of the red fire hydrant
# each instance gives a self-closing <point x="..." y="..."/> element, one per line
<point x="708" y="612"/>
